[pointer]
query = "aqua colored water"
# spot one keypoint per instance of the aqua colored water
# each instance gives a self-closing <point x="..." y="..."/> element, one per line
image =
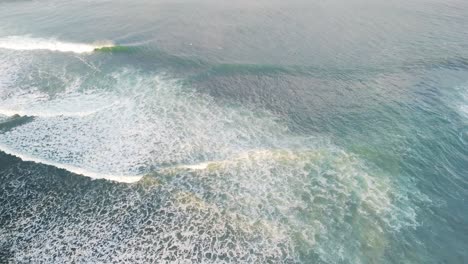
<point x="208" y="131"/>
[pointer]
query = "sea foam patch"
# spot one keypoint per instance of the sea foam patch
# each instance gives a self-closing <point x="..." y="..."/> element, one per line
<point x="307" y="194"/>
<point x="53" y="92"/>
<point x="149" y="122"/>
<point x="39" y="104"/>
<point x="277" y="205"/>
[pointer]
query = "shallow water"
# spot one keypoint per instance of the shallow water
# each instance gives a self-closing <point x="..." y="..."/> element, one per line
<point x="246" y="132"/>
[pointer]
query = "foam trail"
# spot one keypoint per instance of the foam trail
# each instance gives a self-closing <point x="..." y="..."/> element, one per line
<point x="74" y="169"/>
<point x="29" y="43"/>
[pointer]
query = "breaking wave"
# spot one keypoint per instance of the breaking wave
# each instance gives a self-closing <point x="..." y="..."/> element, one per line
<point x="212" y="180"/>
<point x="286" y="197"/>
<point x="30" y="43"/>
<point x="70" y="168"/>
<point x="141" y="123"/>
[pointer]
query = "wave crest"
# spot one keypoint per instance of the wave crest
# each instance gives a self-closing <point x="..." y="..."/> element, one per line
<point x="30" y="43"/>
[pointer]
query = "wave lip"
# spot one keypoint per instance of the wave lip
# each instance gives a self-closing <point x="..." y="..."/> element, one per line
<point x="73" y="169"/>
<point x="48" y="114"/>
<point x="28" y="43"/>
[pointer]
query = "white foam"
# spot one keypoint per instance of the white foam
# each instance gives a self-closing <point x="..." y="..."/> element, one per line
<point x="312" y="192"/>
<point x="280" y="204"/>
<point x="199" y="166"/>
<point x="236" y="167"/>
<point x="9" y="70"/>
<point x="7" y="112"/>
<point x="68" y="105"/>
<point x="62" y="93"/>
<point x="149" y="122"/>
<point x="27" y="43"/>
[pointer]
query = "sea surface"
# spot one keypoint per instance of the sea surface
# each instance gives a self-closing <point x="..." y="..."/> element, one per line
<point x="213" y="131"/>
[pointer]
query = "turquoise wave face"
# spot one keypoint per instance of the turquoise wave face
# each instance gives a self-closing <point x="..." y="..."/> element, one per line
<point x="242" y="132"/>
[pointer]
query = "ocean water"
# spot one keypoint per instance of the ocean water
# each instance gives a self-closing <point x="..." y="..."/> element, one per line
<point x="205" y="131"/>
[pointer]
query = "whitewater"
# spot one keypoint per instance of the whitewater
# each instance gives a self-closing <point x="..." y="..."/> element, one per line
<point x="27" y="43"/>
